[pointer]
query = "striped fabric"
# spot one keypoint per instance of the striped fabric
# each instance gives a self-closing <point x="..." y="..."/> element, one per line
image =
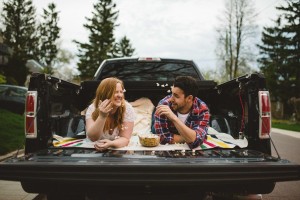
<point x="68" y="142"/>
<point x="212" y="142"/>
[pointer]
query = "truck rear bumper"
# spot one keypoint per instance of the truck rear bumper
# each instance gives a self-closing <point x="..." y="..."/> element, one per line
<point x="83" y="174"/>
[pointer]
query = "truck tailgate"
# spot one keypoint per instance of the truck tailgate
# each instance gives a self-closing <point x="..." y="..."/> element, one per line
<point x="209" y="169"/>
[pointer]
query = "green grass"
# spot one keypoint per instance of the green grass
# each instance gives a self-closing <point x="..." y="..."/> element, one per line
<point x="11" y="131"/>
<point x="287" y="125"/>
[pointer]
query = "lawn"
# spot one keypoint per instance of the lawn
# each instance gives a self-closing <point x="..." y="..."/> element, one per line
<point x="287" y="125"/>
<point x="11" y="131"/>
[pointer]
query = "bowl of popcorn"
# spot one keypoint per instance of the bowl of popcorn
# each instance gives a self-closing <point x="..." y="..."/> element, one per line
<point x="149" y="139"/>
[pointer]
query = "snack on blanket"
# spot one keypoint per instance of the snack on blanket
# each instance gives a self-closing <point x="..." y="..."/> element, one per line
<point x="149" y="139"/>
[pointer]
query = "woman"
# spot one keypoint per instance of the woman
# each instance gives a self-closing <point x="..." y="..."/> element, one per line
<point x="110" y="119"/>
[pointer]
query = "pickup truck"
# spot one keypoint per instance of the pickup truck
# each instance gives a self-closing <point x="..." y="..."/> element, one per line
<point x="240" y="108"/>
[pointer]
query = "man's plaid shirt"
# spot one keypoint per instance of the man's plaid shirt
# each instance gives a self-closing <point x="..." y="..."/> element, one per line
<point x="197" y="120"/>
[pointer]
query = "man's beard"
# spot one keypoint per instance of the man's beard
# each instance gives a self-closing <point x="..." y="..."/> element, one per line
<point x="176" y="107"/>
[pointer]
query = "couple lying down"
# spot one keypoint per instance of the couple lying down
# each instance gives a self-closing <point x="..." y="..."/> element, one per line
<point x="179" y="118"/>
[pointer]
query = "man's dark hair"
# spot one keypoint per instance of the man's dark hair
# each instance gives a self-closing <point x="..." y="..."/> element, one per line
<point x="188" y="84"/>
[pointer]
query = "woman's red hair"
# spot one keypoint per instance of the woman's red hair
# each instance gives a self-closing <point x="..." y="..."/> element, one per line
<point x="106" y="90"/>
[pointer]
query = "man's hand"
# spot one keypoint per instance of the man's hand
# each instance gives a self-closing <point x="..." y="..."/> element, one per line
<point x="166" y="110"/>
<point x="186" y="134"/>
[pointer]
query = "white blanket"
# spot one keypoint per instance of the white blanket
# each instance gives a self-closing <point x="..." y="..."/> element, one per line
<point x="143" y="108"/>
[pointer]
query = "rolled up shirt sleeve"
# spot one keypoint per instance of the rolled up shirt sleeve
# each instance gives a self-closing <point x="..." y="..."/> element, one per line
<point x="199" y="124"/>
<point x="161" y="128"/>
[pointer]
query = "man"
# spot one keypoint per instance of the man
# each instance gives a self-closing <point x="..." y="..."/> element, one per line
<point x="182" y="117"/>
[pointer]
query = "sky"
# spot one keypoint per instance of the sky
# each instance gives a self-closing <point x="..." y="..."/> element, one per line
<point x="183" y="29"/>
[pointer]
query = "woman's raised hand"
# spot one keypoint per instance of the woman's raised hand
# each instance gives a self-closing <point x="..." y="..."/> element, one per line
<point x="105" y="107"/>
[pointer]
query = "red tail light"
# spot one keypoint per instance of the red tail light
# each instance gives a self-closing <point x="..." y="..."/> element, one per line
<point x="265" y="114"/>
<point x="30" y="114"/>
<point x="30" y="103"/>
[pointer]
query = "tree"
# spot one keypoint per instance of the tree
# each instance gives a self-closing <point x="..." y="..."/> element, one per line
<point x="20" y="34"/>
<point x="123" y="48"/>
<point x="234" y="38"/>
<point x="63" y="67"/>
<point x="49" y="34"/>
<point x="2" y="79"/>
<point x="101" y="38"/>
<point x="280" y="55"/>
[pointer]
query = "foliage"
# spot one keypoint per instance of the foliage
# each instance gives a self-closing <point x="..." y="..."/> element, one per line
<point x="62" y="69"/>
<point x="123" y="48"/>
<point x="2" y="79"/>
<point x="20" y="34"/>
<point x="102" y="43"/>
<point x="280" y="55"/>
<point x="212" y="74"/>
<point x="11" y="131"/>
<point x="101" y="38"/>
<point x="49" y="34"/>
<point x="235" y="48"/>
<point x="64" y="56"/>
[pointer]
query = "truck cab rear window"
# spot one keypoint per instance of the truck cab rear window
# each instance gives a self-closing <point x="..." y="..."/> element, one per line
<point x="147" y="71"/>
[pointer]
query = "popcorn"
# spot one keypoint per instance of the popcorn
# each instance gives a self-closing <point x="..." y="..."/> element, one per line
<point x="149" y="139"/>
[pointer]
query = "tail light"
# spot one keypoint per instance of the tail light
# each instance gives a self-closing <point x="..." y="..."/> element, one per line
<point x="265" y="114"/>
<point x="30" y="115"/>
